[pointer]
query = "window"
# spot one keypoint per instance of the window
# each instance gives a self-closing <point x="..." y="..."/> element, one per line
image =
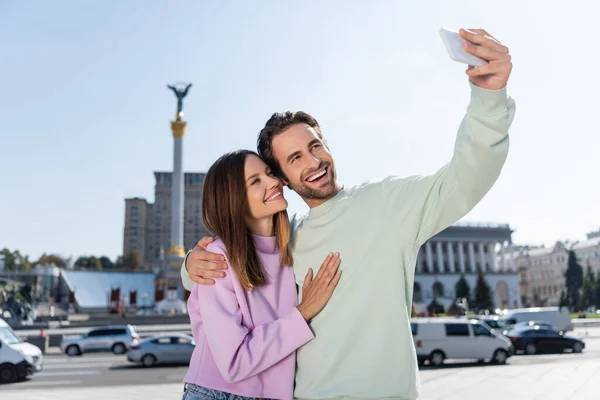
<point x="98" y="332"/>
<point x="162" y="340"/>
<point x="457" y="330"/>
<point x="479" y="330"/>
<point x="415" y="328"/>
<point x="182" y="340"/>
<point x="118" y="331"/>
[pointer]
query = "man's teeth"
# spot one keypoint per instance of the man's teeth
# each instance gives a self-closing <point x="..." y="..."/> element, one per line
<point x="317" y="176"/>
<point x="276" y="195"/>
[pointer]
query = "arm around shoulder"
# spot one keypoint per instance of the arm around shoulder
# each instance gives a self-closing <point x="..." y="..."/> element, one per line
<point x="185" y="277"/>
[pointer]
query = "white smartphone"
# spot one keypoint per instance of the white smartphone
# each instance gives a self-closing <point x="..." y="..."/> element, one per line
<point x="453" y="43"/>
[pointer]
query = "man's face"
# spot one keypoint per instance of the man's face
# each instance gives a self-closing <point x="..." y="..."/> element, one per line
<point x="306" y="162"/>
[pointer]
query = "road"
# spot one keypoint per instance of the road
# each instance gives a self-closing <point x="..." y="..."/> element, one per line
<point x="105" y="376"/>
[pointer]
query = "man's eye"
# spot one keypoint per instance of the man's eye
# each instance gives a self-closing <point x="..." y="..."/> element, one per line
<point x="294" y="159"/>
<point x="270" y="173"/>
<point x="316" y="145"/>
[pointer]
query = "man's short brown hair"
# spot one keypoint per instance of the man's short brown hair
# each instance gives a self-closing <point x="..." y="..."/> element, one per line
<point x="278" y="123"/>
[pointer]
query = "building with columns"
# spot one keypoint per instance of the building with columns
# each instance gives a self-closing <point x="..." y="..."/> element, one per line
<point x="459" y="250"/>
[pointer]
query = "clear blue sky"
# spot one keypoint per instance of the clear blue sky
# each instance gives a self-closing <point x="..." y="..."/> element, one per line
<point x="84" y="110"/>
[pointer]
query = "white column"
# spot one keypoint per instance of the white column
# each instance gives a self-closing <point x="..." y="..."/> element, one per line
<point x="450" y="251"/>
<point x="461" y="257"/>
<point x="429" y="256"/>
<point x="512" y="258"/>
<point x="482" y="256"/>
<point x="440" y="257"/>
<point x="492" y="255"/>
<point x="177" y="194"/>
<point x="472" y="256"/>
<point x="502" y="257"/>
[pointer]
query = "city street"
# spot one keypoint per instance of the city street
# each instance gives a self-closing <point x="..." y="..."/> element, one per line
<point x="105" y="376"/>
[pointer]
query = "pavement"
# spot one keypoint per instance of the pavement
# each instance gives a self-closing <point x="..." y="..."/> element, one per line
<point x="105" y="376"/>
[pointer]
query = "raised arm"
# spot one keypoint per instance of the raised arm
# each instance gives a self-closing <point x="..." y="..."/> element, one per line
<point x="428" y="204"/>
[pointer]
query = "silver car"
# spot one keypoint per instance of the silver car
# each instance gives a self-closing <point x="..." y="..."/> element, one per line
<point x="116" y="339"/>
<point x="163" y="349"/>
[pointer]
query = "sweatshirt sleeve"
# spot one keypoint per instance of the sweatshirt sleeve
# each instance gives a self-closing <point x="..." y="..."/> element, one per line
<point x="240" y="353"/>
<point x="185" y="277"/>
<point x="422" y="206"/>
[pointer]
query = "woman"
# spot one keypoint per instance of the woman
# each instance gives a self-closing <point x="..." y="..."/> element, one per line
<point x="248" y="325"/>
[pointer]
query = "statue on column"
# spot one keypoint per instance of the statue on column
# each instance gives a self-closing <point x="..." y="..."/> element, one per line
<point x="180" y="93"/>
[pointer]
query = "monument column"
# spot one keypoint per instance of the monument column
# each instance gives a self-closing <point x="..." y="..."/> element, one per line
<point x="177" y="250"/>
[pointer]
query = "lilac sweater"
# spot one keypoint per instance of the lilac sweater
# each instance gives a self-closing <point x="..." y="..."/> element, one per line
<point x="246" y="340"/>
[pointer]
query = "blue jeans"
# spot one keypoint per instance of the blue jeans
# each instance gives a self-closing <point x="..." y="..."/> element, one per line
<point x="195" y="392"/>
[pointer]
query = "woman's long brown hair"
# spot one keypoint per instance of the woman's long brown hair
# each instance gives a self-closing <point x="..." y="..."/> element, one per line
<point x="224" y="206"/>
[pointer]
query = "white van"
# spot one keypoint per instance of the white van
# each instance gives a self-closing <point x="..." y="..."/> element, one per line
<point x="438" y="339"/>
<point x="558" y="317"/>
<point x="17" y="358"/>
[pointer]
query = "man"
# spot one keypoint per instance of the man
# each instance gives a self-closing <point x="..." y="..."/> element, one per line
<point x="363" y="346"/>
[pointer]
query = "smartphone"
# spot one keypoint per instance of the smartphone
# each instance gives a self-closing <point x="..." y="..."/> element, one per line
<point x="453" y="43"/>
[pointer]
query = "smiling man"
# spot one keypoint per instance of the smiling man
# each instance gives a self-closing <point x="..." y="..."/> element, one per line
<point x="363" y="347"/>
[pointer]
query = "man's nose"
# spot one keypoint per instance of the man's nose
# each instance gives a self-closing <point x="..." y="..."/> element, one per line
<point x="314" y="161"/>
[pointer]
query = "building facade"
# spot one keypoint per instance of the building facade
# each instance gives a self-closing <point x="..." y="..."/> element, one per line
<point x="541" y="271"/>
<point x="588" y="252"/>
<point x="147" y="228"/>
<point x="460" y="250"/>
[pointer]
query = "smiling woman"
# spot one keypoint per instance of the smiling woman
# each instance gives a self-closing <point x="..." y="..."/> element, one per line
<point x="246" y="199"/>
<point x="250" y="319"/>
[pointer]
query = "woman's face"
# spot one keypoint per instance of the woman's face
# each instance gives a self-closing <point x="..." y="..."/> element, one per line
<point x="264" y="191"/>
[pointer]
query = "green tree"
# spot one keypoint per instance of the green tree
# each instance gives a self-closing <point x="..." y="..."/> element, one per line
<point x="82" y="262"/>
<point x="598" y="290"/>
<point x="573" y="281"/>
<point x="8" y="259"/>
<point x="119" y="263"/>
<point x="564" y="302"/>
<point x="483" y="293"/>
<point x="14" y="260"/>
<point x="131" y="260"/>
<point x="94" y="264"/>
<point x="588" y="295"/>
<point x="51" y="259"/>
<point x="462" y="289"/>
<point x="106" y="263"/>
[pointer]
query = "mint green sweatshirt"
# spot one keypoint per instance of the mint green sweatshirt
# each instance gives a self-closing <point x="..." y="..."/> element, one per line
<point x="363" y="347"/>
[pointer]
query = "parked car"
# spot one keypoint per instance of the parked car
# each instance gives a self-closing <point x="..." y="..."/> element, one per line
<point x="438" y="339"/>
<point x="541" y="340"/>
<point x="559" y="317"/>
<point x="529" y="324"/>
<point x="496" y="323"/>
<point x="116" y="339"/>
<point x="163" y="349"/>
<point x="18" y="359"/>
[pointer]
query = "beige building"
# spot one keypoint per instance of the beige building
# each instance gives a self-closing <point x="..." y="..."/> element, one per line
<point x="588" y="252"/>
<point x="541" y="274"/>
<point x="148" y="225"/>
<point x="542" y="269"/>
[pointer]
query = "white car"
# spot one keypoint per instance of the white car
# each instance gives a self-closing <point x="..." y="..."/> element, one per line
<point x="17" y="358"/>
<point x="116" y="339"/>
<point x="438" y="339"/>
<point x="558" y="317"/>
